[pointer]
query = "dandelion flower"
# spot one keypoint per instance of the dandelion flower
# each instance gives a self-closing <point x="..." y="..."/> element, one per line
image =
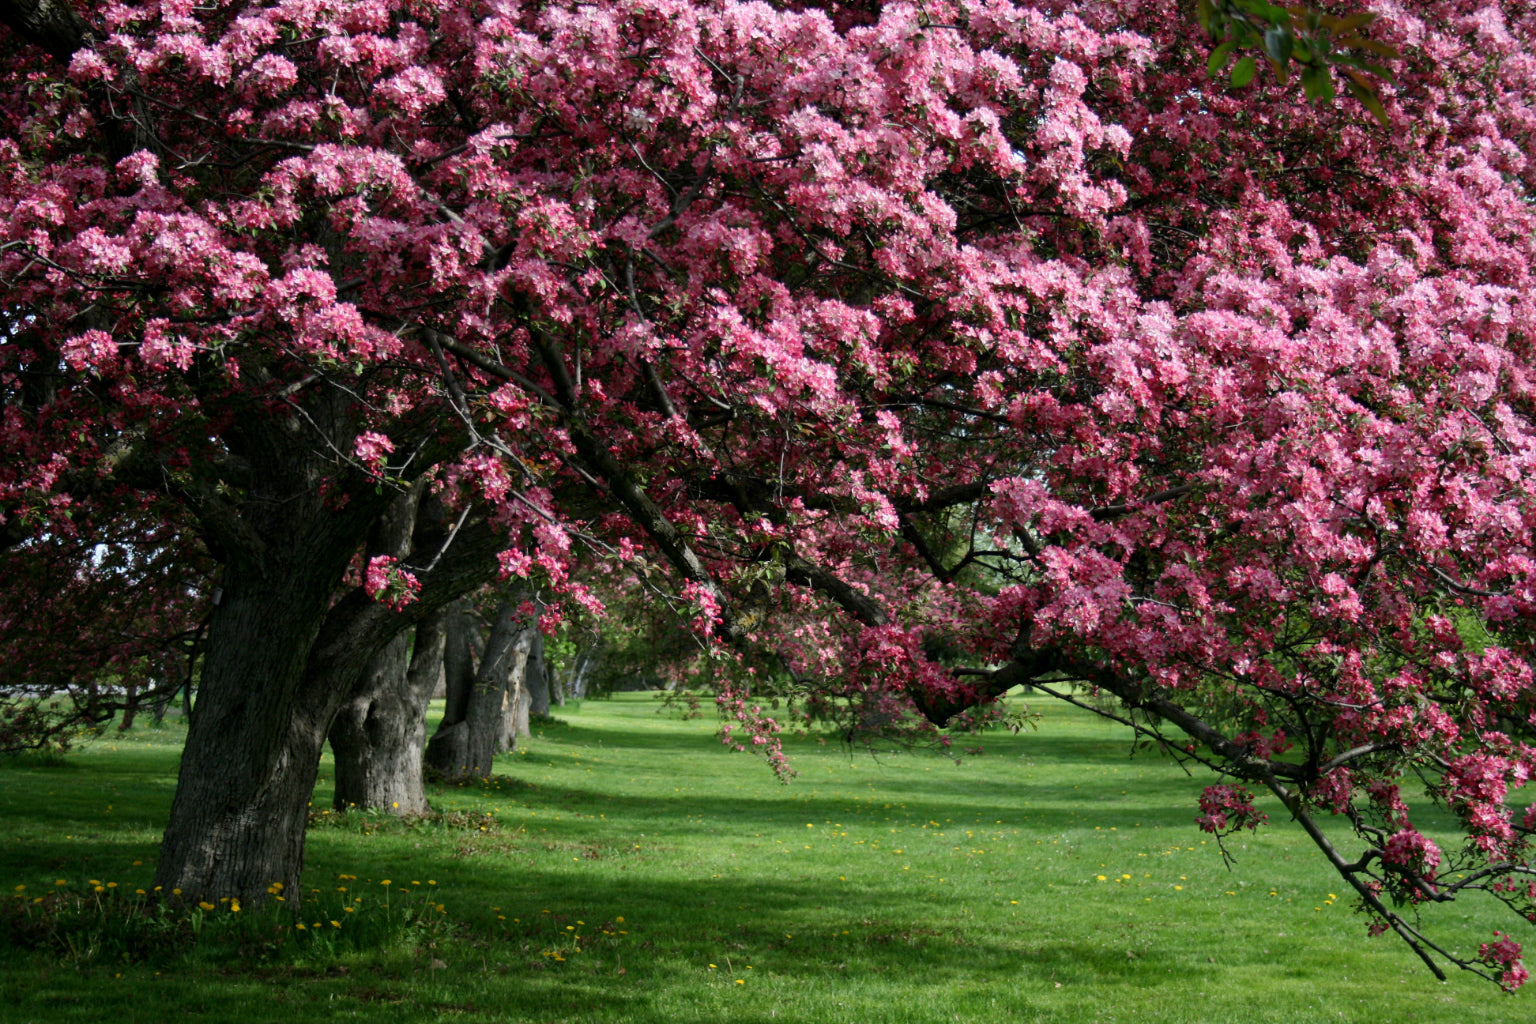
<point x="205" y="905"/>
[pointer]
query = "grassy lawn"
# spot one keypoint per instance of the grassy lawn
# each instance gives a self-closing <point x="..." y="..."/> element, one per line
<point x="625" y="867"/>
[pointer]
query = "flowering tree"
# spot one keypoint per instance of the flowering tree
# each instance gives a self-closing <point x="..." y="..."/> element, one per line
<point x="930" y="349"/>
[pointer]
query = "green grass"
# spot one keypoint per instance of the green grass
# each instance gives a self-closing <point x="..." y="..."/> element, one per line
<point x="895" y="888"/>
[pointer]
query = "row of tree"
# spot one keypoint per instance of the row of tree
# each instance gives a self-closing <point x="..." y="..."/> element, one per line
<point x="911" y="351"/>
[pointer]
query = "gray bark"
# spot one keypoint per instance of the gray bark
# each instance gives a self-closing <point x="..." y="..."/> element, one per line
<point x="474" y="725"/>
<point x="585" y="662"/>
<point x="536" y="677"/>
<point x="448" y="750"/>
<point x="379" y="734"/>
<point x="514" y="701"/>
<point x="281" y="657"/>
<point x="253" y="748"/>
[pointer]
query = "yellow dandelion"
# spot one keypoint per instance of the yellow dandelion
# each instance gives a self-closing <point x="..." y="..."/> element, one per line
<point x="335" y="924"/>
<point x="59" y="881"/>
<point x="1102" y="878"/>
<point x="385" y="882"/>
<point x="300" y="926"/>
<point x="205" y="904"/>
<point x="740" y="982"/>
<point x="21" y="888"/>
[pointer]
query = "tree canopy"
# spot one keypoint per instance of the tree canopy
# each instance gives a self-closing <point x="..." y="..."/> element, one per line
<point x="927" y="349"/>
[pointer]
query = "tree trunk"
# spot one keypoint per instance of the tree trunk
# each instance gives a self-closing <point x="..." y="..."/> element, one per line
<point x="473" y="727"/>
<point x="448" y="750"/>
<point x="584" y="662"/>
<point x="130" y="707"/>
<point x="282" y="655"/>
<point x="379" y="736"/>
<point x="536" y="676"/>
<point x="253" y="747"/>
<point x="514" y="705"/>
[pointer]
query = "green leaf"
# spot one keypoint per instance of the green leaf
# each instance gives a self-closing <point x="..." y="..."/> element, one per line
<point x="1219" y="58"/>
<point x="1243" y="72"/>
<point x="1312" y="81"/>
<point x="1203" y="12"/>
<point x="1278" y="44"/>
<point x="1353" y="21"/>
<point x="1377" y="47"/>
<point x="1370" y="100"/>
